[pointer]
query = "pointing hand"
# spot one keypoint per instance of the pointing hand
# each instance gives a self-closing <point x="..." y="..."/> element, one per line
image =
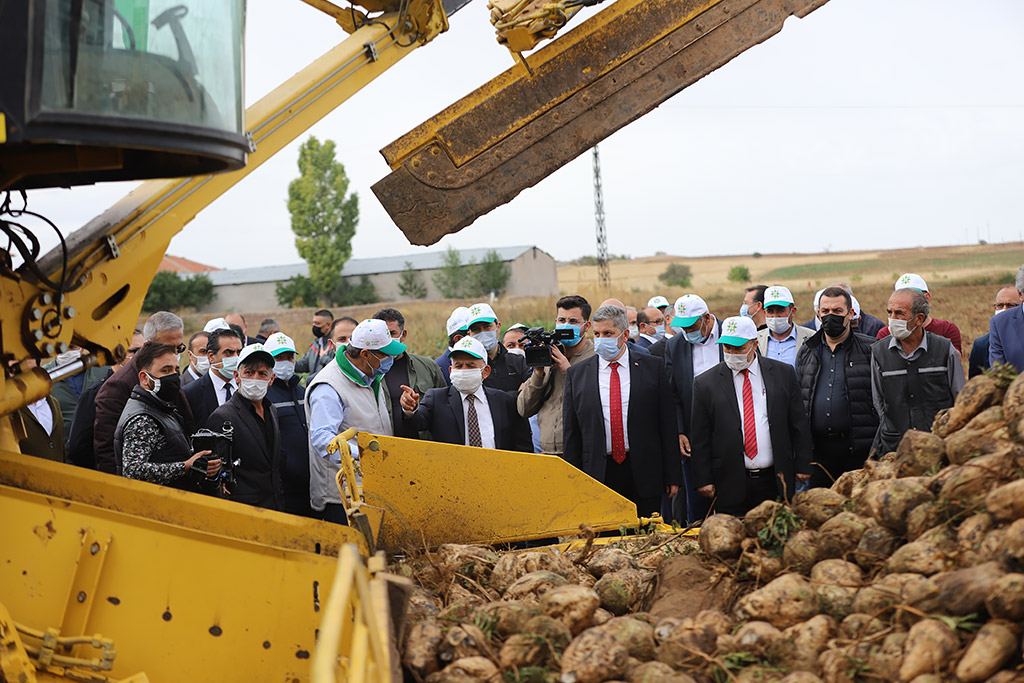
<point x="410" y="399"/>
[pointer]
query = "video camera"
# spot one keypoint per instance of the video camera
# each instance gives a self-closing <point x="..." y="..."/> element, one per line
<point x="538" y="351"/>
<point x="220" y="443"/>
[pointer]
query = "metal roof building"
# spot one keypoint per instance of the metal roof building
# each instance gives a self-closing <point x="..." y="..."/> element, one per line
<point x="533" y="273"/>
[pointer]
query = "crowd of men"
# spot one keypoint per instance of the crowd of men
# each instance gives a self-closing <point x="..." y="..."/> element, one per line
<point x="666" y="404"/>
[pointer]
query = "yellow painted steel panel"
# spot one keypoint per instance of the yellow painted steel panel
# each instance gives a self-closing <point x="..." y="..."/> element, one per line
<point x="458" y="494"/>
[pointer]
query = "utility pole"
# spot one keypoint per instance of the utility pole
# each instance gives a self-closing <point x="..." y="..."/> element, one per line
<point x="604" y="277"/>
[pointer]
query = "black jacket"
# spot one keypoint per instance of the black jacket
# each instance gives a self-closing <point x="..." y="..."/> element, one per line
<point x="202" y="398"/>
<point x="78" y="446"/>
<point x="679" y="365"/>
<point x="440" y="412"/>
<point x="287" y="398"/>
<point x="650" y="424"/>
<point x="259" y="473"/>
<point x="508" y="371"/>
<point x="716" y="431"/>
<point x="858" y="385"/>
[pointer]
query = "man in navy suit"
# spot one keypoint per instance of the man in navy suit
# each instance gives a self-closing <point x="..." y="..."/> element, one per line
<point x="1006" y="333"/>
<point x="1007" y="299"/>
<point x="216" y="387"/>
<point x="468" y="413"/>
<point x="749" y="431"/>
<point x="618" y="417"/>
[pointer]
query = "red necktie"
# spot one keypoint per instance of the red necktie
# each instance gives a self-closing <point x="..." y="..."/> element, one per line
<point x="749" y="429"/>
<point x="615" y="401"/>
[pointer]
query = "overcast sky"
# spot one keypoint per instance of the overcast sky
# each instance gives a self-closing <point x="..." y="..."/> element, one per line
<point x="868" y="124"/>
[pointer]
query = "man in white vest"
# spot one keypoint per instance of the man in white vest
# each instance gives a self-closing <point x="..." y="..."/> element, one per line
<point x="348" y="392"/>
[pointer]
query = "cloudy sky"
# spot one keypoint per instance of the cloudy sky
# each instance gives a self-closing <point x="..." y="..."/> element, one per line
<point x="868" y="124"/>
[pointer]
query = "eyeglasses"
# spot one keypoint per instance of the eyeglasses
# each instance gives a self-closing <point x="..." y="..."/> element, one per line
<point x="180" y="348"/>
<point x="1004" y="306"/>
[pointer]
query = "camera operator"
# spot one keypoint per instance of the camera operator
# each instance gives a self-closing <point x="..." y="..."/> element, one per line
<point x="150" y="442"/>
<point x="542" y="393"/>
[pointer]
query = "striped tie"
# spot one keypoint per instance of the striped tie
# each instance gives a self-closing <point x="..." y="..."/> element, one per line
<point x="472" y="423"/>
<point x="749" y="429"/>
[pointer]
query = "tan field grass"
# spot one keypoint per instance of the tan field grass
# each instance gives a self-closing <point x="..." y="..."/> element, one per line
<point x="962" y="279"/>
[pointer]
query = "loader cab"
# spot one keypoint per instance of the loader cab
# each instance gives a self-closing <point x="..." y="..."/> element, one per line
<point x="97" y="90"/>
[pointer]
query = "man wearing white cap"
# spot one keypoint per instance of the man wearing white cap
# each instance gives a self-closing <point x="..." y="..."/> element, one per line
<point x="348" y="392"/>
<point x="943" y="328"/>
<point x="457" y="327"/>
<point x="665" y="306"/>
<point x="256" y="440"/>
<point x="216" y="324"/>
<point x="419" y="372"/>
<point x="286" y="393"/>
<point x="468" y="413"/>
<point x="688" y="354"/>
<point x="508" y="370"/>
<point x="620" y="427"/>
<point x="914" y="374"/>
<point x="783" y="337"/>
<point x="749" y="431"/>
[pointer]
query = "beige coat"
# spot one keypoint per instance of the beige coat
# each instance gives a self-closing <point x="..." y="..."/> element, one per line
<point x="548" y="410"/>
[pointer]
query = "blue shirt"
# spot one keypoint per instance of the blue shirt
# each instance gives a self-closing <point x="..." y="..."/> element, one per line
<point x="326" y="413"/>
<point x="785" y="350"/>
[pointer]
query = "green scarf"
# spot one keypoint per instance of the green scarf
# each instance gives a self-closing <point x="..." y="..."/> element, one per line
<point x="354" y="374"/>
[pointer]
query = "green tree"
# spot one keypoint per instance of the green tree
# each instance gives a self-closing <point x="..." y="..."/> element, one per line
<point x="410" y="284"/>
<point x="490" y="275"/>
<point x="170" y="290"/>
<point x="355" y="294"/>
<point x="450" y="278"/>
<point x="296" y="292"/>
<point x="739" y="274"/>
<point x="324" y="214"/>
<point x="677" y="275"/>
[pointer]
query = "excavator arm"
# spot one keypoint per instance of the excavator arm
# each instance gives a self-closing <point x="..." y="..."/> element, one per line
<point x="534" y="118"/>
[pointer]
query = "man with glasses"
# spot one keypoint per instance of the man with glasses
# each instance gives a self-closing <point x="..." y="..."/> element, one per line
<point x="1006" y="298"/>
<point x="1006" y="331"/>
<point x="542" y="394"/>
<point x="163" y="327"/>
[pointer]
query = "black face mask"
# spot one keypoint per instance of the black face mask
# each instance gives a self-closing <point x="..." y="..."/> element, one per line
<point x="169" y="386"/>
<point x="834" y="325"/>
<point x="317" y="332"/>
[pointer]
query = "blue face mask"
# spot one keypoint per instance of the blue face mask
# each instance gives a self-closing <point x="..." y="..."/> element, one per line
<point x="385" y="364"/>
<point x="228" y="367"/>
<point x="694" y="336"/>
<point x="607" y="347"/>
<point x="489" y="339"/>
<point x="659" y="331"/>
<point x="745" y="311"/>
<point x="575" y="333"/>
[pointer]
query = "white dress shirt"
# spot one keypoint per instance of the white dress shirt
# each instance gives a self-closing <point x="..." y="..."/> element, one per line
<point x="764" y="457"/>
<point x="483" y="418"/>
<point x="218" y="386"/>
<point x="43" y="413"/>
<point x="604" y="386"/>
<point x="705" y="355"/>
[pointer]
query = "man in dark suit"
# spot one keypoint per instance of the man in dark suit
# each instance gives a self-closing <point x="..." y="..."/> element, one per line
<point x="1007" y="299"/>
<point x="689" y="353"/>
<point x="618" y="418"/>
<point x="216" y="387"/>
<point x="163" y="327"/>
<point x="451" y="414"/>
<point x="749" y="432"/>
<point x="257" y="435"/>
<point x="1006" y="333"/>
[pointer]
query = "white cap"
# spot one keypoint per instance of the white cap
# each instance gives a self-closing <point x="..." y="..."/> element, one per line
<point x="472" y="346"/>
<point x="458" y="320"/>
<point x="817" y="300"/>
<point x="278" y="343"/>
<point x="657" y="302"/>
<point x="374" y="334"/>
<point x="216" y="324"/>
<point x="688" y="309"/>
<point x="258" y="350"/>
<point x="911" y="280"/>
<point x="481" y="313"/>
<point x="737" y="331"/>
<point x="777" y="295"/>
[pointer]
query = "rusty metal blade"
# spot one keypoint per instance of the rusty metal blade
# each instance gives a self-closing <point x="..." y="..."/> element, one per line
<point x="517" y="129"/>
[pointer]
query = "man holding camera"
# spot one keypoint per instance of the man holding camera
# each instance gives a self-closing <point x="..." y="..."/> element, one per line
<point x="542" y="393"/>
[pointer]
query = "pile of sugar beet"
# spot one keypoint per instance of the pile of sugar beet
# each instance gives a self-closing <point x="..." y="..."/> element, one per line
<point x="910" y="569"/>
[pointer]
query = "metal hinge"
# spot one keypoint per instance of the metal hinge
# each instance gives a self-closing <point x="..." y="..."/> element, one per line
<point x="371" y="51"/>
<point x="112" y="247"/>
<point x="251" y="141"/>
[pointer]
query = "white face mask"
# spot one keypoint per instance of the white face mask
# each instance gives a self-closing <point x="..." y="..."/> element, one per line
<point x="68" y="356"/>
<point x="518" y="352"/>
<point x="634" y="332"/>
<point x="202" y="364"/>
<point x="778" y="325"/>
<point x="253" y="389"/>
<point x="467" y="381"/>
<point x="899" y="330"/>
<point x="284" y="369"/>
<point x="738" y="361"/>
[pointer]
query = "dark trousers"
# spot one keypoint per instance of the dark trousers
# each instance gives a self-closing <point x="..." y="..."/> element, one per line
<point x="760" y="488"/>
<point x="833" y="455"/>
<point x="619" y="478"/>
<point x="688" y="506"/>
<point x="297" y="503"/>
<point x="335" y="513"/>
